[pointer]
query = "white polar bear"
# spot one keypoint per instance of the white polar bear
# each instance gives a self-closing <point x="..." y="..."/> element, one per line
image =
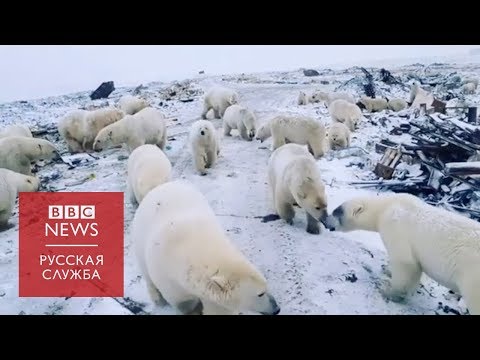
<point x="328" y="98"/>
<point x="474" y="81"/>
<point x="130" y="104"/>
<point x="147" y="167"/>
<point x="204" y="145"/>
<point x="145" y="127"/>
<point x="294" y="177"/>
<point x="296" y="129"/>
<point x="304" y="99"/>
<point x="16" y="130"/>
<point x="219" y="99"/>
<point x="79" y="127"/>
<point x="11" y="183"/>
<point x="17" y="153"/>
<point x="469" y="88"/>
<point x="447" y="251"/>
<point x="187" y="259"/>
<point x="420" y="96"/>
<point x="374" y="104"/>
<point x="345" y="112"/>
<point x="338" y="136"/>
<point x="397" y="104"/>
<point x="241" y="118"/>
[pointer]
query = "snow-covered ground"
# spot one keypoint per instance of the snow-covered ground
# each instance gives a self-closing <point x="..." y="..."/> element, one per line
<point x="330" y="273"/>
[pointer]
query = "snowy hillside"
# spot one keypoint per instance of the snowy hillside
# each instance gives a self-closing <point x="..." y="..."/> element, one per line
<point x="330" y="273"/>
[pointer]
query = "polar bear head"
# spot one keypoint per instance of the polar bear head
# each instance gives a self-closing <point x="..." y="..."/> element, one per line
<point x="28" y="184"/>
<point x="243" y="289"/>
<point x="45" y="150"/>
<point x="233" y="98"/>
<point x="249" y="120"/>
<point x="359" y="213"/>
<point x="263" y="132"/>
<point x="310" y="195"/>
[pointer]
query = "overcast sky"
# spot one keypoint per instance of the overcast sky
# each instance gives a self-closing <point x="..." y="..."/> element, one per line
<point x="28" y="72"/>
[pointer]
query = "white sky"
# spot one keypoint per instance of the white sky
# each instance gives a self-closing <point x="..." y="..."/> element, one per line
<point x="37" y="71"/>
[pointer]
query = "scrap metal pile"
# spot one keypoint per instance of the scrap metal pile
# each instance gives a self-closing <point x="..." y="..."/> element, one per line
<point x="448" y="151"/>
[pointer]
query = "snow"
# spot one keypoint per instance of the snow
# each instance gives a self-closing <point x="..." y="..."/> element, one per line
<point x="330" y="273"/>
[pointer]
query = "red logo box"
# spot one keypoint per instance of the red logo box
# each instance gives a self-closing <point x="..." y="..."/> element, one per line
<point x="71" y="244"/>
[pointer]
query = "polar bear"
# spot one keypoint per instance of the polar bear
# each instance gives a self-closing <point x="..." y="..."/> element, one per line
<point x="187" y="259"/>
<point x="16" y="130"/>
<point x="345" y="112"/>
<point x="296" y="129"/>
<point x="241" y="118"/>
<point x="17" y="153"/>
<point x="130" y="104"/>
<point x="469" y="88"/>
<point x="145" y="127"/>
<point x="219" y="99"/>
<point x="397" y="104"/>
<point x="204" y="145"/>
<point x="374" y="104"/>
<point x="338" y="136"/>
<point x="147" y="167"/>
<point x="79" y="127"/>
<point x="304" y="99"/>
<point x="416" y="243"/>
<point x="474" y="81"/>
<point x="11" y="183"/>
<point x="294" y="177"/>
<point x="328" y="98"/>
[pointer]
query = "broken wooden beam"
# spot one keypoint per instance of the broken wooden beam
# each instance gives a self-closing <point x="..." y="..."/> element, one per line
<point x="472" y="115"/>
<point x="386" y="166"/>
<point x="463" y="168"/>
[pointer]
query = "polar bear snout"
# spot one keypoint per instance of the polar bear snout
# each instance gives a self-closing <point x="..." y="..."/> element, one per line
<point x="274" y="309"/>
<point x="202" y="132"/>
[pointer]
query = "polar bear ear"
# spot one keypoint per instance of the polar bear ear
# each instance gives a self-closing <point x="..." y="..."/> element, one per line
<point x="219" y="282"/>
<point x="358" y="209"/>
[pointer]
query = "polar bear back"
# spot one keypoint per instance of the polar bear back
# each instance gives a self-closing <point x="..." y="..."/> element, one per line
<point x="177" y="224"/>
<point x="15" y="130"/>
<point x="148" y="167"/>
<point x="130" y="104"/>
<point x="443" y="247"/>
<point x="299" y="128"/>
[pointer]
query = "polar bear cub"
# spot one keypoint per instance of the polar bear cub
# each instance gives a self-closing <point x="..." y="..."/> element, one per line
<point x="374" y="104"/>
<point x="219" y="99"/>
<point x="11" y="183"/>
<point x="147" y="167"/>
<point x="338" y="136"/>
<point x="79" y="127"/>
<point x="187" y="259"/>
<point x="416" y="243"/>
<point x="145" y="127"/>
<point x="345" y="112"/>
<point x="294" y="177"/>
<point x="329" y="97"/>
<point x="130" y="104"/>
<point x="240" y="118"/>
<point x="298" y="129"/>
<point x="17" y="153"/>
<point x="397" y="104"/>
<point x="16" y="130"/>
<point x="204" y="145"/>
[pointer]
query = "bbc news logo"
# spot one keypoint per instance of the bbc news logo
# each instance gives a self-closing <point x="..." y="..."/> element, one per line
<point x="71" y="244"/>
<point x="71" y="212"/>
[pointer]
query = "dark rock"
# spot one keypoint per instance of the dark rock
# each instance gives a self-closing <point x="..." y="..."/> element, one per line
<point x="351" y="277"/>
<point x="103" y="91"/>
<point x="311" y="72"/>
<point x="270" y="217"/>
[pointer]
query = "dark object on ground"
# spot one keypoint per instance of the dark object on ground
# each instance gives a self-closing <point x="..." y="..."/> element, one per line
<point x="351" y="277"/>
<point x="201" y="72"/>
<point x="103" y="91"/>
<point x="311" y="72"/>
<point x="270" y="217"/>
<point x="387" y="77"/>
